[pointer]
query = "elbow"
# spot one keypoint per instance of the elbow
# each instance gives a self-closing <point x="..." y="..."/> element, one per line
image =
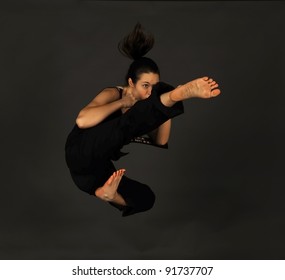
<point x="80" y="122"/>
<point x="161" y="141"/>
<point x="83" y="122"/>
<point x="162" y="144"/>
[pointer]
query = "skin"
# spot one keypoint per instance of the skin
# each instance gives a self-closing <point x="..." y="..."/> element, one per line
<point x="143" y="87"/>
<point x="109" y="191"/>
<point x="109" y="101"/>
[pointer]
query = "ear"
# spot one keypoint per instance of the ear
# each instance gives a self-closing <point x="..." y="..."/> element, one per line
<point x="130" y="82"/>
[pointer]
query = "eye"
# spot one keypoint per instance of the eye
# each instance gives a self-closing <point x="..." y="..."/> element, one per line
<point x="145" y="85"/>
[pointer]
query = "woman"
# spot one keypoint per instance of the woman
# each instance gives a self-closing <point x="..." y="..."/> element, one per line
<point x="118" y="116"/>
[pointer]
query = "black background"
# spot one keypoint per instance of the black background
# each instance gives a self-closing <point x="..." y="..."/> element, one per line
<point x="220" y="186"/>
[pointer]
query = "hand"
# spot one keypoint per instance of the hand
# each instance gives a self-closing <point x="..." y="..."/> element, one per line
<point x="128" y="98"/>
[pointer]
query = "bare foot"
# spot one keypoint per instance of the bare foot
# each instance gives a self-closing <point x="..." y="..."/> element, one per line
<point x="109" y="191"/>
<point x="201" y="88"/>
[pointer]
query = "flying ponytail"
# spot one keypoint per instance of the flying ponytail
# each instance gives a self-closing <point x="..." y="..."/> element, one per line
<point x="135" y="46"/>
<point x="137" y="43"/>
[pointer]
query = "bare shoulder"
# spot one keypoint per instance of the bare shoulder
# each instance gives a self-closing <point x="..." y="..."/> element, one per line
<point x="107" y="95"/>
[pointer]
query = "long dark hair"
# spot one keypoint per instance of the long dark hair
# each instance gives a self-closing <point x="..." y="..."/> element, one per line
<point x="135" y="46"/>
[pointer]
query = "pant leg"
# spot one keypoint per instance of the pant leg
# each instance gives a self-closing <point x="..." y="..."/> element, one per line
<point x="85" y="147"/>
<point x="139" y="197"/>
<point x="148" y="114"/>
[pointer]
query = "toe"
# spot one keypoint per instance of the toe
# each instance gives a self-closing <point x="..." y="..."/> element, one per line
<point x="110" y="180"/>
<point x="214" y="86"/>
<point x="215" y="92"/>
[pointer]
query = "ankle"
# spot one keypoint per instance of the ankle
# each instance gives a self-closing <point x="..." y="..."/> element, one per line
<point x="170" y="98"/>
<point x="100" y="193"/>
<point x="175" y="95"/>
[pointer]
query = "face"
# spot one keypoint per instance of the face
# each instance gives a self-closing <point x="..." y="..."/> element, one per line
<point x="142" y="88"/>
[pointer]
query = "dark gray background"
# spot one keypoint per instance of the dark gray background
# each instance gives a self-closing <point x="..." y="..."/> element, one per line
<point x="220" y="186"/>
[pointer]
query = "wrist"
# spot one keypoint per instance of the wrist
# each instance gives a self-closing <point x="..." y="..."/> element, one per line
<point x="121" y="104"/>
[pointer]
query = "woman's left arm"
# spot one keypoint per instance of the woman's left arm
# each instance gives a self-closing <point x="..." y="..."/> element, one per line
<point x="161" y="135"/>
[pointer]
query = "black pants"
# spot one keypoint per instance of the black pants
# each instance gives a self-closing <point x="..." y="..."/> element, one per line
<point x="89" y="152"/>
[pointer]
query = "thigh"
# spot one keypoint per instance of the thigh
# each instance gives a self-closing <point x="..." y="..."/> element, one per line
<point x="101" y="142"/>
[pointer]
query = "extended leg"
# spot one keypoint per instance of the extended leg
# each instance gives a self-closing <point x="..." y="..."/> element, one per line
<point x="165" y="103"/>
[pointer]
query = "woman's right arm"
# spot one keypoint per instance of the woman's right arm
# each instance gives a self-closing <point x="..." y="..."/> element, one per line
<point x="104" y="104"/>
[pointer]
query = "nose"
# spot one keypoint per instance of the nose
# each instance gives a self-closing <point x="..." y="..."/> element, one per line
<point x="149" y="90"/>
